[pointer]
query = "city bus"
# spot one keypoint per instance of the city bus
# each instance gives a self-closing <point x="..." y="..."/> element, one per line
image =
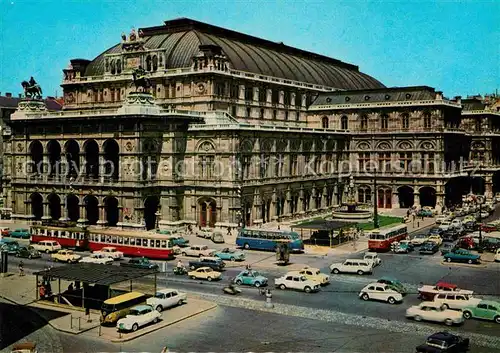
<point x="382" y="238"/>
<point x="67" y="237"/>
<point x="265" y="239"/>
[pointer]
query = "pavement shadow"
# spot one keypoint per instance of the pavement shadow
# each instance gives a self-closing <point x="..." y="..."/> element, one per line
<point x="18" y="322"/>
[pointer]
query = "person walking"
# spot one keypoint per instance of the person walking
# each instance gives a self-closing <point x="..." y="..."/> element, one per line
<point x="21" y="268"/>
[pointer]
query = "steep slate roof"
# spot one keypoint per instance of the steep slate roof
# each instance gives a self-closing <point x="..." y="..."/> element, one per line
<point x="182" y="37"/>
<point x="376" y="95"/>
<point x="473" y="104"/>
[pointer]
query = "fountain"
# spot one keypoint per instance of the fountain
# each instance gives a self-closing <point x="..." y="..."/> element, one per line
<point x="348" y="210"/>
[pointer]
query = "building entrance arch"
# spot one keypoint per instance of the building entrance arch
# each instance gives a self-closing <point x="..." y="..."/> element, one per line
<point x="36" y="155"/>
<point x="72" y="151"/>
<point x="36" y="206"/>
<point x="496" y="182"/>
<point x="91" y="209"/>
<point x="91" y="149"/>
<point x="112" y="212"/>
<point x="111" y="159"/>
<point x="207" y="213"/>
<point x="428" y="196"/>
<point x="478" y="185"/>
<point x="405" y="194"/>
<point x="455" y="188"/>
<point x="151" y="206"/>
<point x="54" y="206"/>
<point x="384" y="199"/>
<point x="54" y="152"/>
<point x="73" y="207"/>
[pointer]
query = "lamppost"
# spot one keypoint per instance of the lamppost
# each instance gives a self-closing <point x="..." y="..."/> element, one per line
<point x="157" y="216"/>
<point x="479" y="202"/>
<point x="240" y="214"/>
<point x="67" y="187"/>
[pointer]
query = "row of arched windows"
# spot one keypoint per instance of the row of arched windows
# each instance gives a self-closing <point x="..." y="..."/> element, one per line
<point x="384" y="122"/>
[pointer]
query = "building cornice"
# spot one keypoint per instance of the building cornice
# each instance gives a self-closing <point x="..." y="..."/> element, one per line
<point x="378" y="105"/>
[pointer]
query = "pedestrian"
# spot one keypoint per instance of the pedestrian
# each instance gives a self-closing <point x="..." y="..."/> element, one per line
<point x="21" y="268"/>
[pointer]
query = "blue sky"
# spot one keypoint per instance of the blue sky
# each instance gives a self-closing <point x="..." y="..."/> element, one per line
<point x="451" y="45"/>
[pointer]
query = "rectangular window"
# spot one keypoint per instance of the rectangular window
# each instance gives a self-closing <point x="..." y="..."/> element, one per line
<point x="364" y="161"/>
<point x="248" y="94"/>
<point x="384" y="162"/>
<point x="207" y="166"/>
<point x="404" y="161"/>
<point x="294" y="165"/>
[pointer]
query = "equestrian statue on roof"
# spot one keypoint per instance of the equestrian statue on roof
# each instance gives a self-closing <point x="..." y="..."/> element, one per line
<point x="32" y="89"/>
<point x="140" y="79"/>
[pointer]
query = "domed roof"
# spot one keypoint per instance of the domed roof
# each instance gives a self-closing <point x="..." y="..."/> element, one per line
<point x="181" y="39"/>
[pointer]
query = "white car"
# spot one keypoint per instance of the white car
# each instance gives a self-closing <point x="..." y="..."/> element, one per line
<point x="456" y="223"/>
<point x="445" y="225"/>
<point x="373" y="258"/>
<point x="294" y="280"/>
<point x="419" y="239"/>
<point x="138" y="316"/>
<point x="66" y="256"/>
<point x="497" y="255"/>
<point x="110" y="251"/>
<point x="455" y="301"/>
<point x="431" y="311"/>
<point x="381" y="291"/>
<point x="47" y="246"/>
<point x="97" y="259"/>
<point x="166" y="298"/>
<point x="441" y="219"/>
<point x="352" y="266"/>
<point x="198" y="251"/>
<point x="205" y="233"/>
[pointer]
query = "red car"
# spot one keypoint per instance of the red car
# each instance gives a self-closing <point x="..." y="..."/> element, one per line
<point x="489" y="228"/>
<point x="466" y="243"/>
<point x="5" y="231"/>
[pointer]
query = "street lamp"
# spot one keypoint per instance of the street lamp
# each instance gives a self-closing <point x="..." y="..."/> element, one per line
<point x="157" y="216"/>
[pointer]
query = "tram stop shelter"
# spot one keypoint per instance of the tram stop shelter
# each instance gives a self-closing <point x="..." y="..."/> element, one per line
<point x="92" y="282"/>
<point x="322" y="231"/>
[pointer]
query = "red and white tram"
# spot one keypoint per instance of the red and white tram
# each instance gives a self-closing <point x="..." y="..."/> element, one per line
<point x="132" y="243"/>
<point x="71" y="237"/>
<point x="382" y="238"/>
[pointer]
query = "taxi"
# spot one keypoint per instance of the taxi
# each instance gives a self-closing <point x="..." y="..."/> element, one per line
<point x="315" y="274"/>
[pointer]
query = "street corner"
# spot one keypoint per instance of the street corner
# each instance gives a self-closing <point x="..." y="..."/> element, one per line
<point x="458" y="264"/>
<point x="193" y="307"/>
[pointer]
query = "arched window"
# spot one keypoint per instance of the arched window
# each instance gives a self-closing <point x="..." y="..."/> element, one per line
<point x="155" y="63"/>
<point x="364" y="123"/>
<point x="148" y="63"/>
<point x="405" y="121"/>
<point x="118" y="66"/>
<point x="478" y="124"/>
<point x="112" y="67"/>
<point x="324" y="122"/>
<point x="384" y="122"/>
<point x="344" y="125"/>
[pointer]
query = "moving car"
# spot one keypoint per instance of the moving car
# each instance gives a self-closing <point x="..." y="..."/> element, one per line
<point x="141" y="262"/>
<point x="110" y="251"/>
<point x="167" y="298"/>
<point x="419" y="239"/>
<point x="205" y="273"/>
<point x="217" y="238"/>
<point x="497" y="255"/>
<point x="138" y="316"/>
<point x="205" y="233"/>
<point x="180" y="242"/>
<point x="456" y="301"/>
<point x="198" y="251"/>
<point x="382" y="292"/>
<point x="97" y="259"/>
<point x="352" y="266"/>
<point x="315" y="274"/>
<point x="28" y="252"/>
<point x="429" y="247"/>
<point x="10" y="247"/>
<point x="485" y="310"/>
<point x="425" y="212"/>
<point x="373" y="258"/>
<point x="430" y="311"/>
<point x="445" y="225"/>
<point x="250" y="278"/>
<point x="450" y="235"/>
<point x="461" y="255"/>
<point x="446" y="248"/>
<point x="20" y="233"/>
<point x="444" y="342"/>
<point x="66" y="256"/>
<point x="436" y="239"/>
<point x="428" y="292"/>
<point x="230" y="254"/>
<point x="436" y="231"/>
<point x="394" y="283"/>
<point x="442" y="218"/>
<point x="294" y="280"/>
<point x="403" y="247"/>
<point x="214" y="263"/>
<point x="47" y="246"/>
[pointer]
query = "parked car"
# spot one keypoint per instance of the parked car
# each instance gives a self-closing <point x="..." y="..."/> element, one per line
<point x="214" y="263"/>
<point x="205" y="273"/>
<point x="97" y="259"/>
<point x="394" y="283"/>
<point x="373" y="258"/>
<point x="455" y="300"/>
<point x="66" y="256"/>
<point x="444" y="342"/>
<point x="382" y="292"/>
<point x="205" y="233"/>
<point x="294" y="280"/>
<point x="230" y="254"/>
<point x="485" y="310"/>
<point x="497" y="255"/>
<point x="28" y="252"/>
<point x="430" y="311"/>
<point x="489" y="227"/>
<point x="461" y="255"/>
<point x="10" y="247"/>
<point x="441" y="218"/>
<point x="20" y="233"/>
<point x="47" y="246"/>
<point x="429" y="247"/>
<point x="251" y="278"/>
<point x="447" y="247"/>
<point x="419" y="239"/>
<point x="445" y="225"/>
<point x="198" y="251"/>
<point x="450" y="235"/>
<point x="140" y="262"/>
<point x="315" y="274"/>
<point x="138" y="316"/>
<point x="436" y="231"/>
<point x="435" y="239"/>
<point x="110" y="251"/>
<point x="167" y="298"/>
<point x="352" y="266"/>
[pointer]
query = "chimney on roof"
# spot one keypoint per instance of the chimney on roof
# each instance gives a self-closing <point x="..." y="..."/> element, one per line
<point x="8" y="95"/>
<point x="439" y="95"/>
<point x="458" y="99"/>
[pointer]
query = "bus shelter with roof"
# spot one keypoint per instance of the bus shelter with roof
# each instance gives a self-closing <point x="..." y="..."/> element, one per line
<point x="96" y="275"/>
<point x="322" y="231"/>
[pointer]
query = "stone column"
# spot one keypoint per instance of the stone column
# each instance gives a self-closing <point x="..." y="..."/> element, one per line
<point x="439" y="202"/>
<point x="82" y="219"/>
<point x="64" y="211"/>
<point x="323" y="198"/>
<point x="272" y="212"/>
<point x="288" y="200"/>
<point x="395" y="199"/>
<point x="46" y="211"/>
<point x="301" y="201"/>
<point x="488" y="192"/>
<point x="102" y="215"/>
<point x="416" y="197"/>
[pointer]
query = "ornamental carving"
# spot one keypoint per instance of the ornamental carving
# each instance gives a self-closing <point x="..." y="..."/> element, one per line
<point x="19" y="168"/>
<point x="20" y="147"/>
<point x="427" y="146"/>
<point x="206" y="147"/>
<point x="384" y="146"/>
<point x="129" y="146"/>
<point x="363" y="146"/>
<point x="404" y="146"/>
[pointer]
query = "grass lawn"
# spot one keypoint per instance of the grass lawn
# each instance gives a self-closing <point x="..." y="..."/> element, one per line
<point x="382" y="221"/>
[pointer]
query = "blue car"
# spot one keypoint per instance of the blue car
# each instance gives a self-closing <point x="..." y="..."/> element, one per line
<point x="251" y="278"/>
<point x="180" y="242"/>
<point x="20" y="233"/>
<point x="230" y="255"/>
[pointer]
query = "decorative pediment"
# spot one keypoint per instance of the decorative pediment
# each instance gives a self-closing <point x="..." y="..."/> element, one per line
<point x="206" y="147"/>
<point x="405" y="145"/>
<point x="427" y="145"/>
<point x="384" y="146"/>
<point x="363" y="146"/>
